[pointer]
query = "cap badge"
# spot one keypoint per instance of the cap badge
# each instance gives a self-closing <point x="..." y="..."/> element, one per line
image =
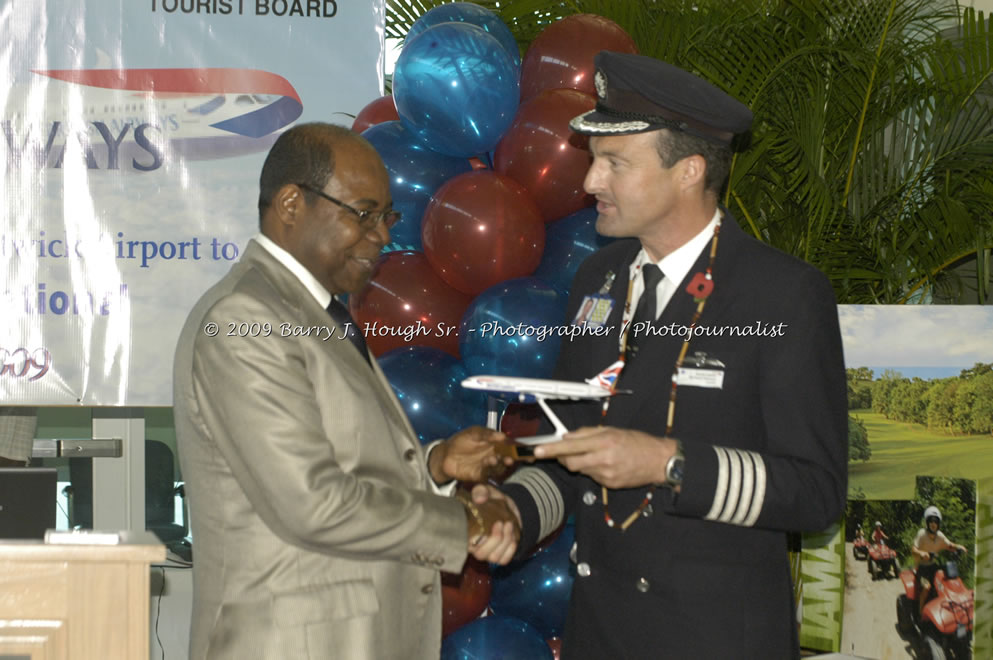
<point x="601" y="84"/>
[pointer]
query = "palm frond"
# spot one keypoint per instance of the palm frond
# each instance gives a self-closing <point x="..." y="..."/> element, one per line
<point x="871" y="153"/>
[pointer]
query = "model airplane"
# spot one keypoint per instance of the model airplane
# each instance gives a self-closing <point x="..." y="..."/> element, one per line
<point x="531" y="390"/>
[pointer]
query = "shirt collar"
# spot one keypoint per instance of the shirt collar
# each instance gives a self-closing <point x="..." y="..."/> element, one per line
<point x="677" y="263"/>
<point x="307" y="279"/>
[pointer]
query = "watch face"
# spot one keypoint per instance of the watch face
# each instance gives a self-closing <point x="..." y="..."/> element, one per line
<point x="674" y="470"/>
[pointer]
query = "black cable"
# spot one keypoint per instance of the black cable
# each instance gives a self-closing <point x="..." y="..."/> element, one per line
<point x="158" y="610"/>
<point x="172" y="563"/>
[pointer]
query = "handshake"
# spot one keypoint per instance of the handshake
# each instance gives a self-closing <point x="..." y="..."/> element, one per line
<point x="476" y="455"/>
<point x="494" y="524"/>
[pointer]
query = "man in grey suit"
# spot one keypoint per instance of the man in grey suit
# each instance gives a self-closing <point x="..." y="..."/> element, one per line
<point x="319" y="526"/>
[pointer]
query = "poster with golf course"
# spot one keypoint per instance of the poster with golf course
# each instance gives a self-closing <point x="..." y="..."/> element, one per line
<point x="920" y="390"/>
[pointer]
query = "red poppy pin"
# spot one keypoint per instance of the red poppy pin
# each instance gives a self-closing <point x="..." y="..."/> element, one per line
<point x="700" y="287"/>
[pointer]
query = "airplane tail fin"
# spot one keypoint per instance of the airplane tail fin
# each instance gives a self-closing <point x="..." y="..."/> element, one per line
<point x="608" y="376"/>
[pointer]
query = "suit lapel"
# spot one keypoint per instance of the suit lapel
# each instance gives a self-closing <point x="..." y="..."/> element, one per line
<point x="728" y="252"/>
<point x="390" y="402"/>
<point x="349" y="359"/>
<point x="311" y="314"/>
<point x="647" y="376"/>
<point x="606" y="352"/>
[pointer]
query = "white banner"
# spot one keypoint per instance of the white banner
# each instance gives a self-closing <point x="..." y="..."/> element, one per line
<point x="133" y="134"/>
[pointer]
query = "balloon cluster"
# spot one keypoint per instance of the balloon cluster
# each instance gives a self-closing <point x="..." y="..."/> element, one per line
<point x="488" y="177"/>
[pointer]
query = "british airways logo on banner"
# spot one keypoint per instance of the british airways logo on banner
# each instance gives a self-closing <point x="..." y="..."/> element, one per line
<point x="137" y="119"/>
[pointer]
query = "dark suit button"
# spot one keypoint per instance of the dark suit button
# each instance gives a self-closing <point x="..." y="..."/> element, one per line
<point x="427" y="588"/>
<point x="409" y="455"/>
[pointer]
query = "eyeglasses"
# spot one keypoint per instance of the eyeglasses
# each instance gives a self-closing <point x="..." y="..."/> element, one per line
<point x="368" y="220"/>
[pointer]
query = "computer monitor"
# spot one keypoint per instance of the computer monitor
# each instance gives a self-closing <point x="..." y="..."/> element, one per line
<point x="27" y="502"/>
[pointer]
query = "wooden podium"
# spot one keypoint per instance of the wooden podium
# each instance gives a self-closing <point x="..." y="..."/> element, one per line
<point x="84" y="602"/>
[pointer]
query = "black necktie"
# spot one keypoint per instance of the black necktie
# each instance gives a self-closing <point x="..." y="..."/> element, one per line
<point x="347" y="324"/>
<point x="645" y="312"/>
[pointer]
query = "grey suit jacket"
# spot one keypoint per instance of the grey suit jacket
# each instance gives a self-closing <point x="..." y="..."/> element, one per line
<point x="316" y="533"/>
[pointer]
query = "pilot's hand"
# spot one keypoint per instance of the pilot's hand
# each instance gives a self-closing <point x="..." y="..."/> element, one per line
<point x="470" y="455"/>
<point x="615" y="458"/>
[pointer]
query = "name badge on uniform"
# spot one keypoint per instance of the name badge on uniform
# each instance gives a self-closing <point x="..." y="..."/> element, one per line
<point x="594" y="311"/>
<point x="701" y="371"/>
<point x="711" y="378"/>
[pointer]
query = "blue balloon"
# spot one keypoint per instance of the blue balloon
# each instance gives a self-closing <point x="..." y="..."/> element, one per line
<point x="468" y="12"/>
<point x="568" y="242"/>
<point x="416" y="172"/>
<point x="512" y="329"/>
<point x="496" y="638"/>
<point x="456" y="88"/>
<point x="537" y="589"/>
<point x="428" y="383"/>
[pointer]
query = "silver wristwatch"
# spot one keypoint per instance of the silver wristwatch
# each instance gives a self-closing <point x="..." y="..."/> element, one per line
<point x="674" y="467"/>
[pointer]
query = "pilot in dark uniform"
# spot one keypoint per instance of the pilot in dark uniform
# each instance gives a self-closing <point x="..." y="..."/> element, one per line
<point x="729" y="428"/>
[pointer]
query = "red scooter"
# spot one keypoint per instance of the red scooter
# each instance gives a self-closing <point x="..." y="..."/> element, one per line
<point x="944" y="628"/>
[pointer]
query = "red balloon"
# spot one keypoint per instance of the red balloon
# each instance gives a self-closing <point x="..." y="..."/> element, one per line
<point x="555" y="643"/>
<point x="562" y="55"/>
<point x="406" y="292"/>
<point x="376" y="112"/>
<point x="477" y="164"/>
<point x="464" y="596"/>
<point x="521" y="420"/>
<point x="481" y="228"/>
<point x="541" y="152"/>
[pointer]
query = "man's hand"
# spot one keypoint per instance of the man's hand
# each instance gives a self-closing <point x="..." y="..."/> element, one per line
<point x="469" y="455"/>
<point x="494" y="525"/>
<point x="615" y="458"/>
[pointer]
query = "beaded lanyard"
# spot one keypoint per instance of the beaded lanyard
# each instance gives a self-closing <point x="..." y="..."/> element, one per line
<point x="703" y="287"/>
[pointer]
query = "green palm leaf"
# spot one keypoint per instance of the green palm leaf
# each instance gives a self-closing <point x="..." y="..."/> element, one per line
<point x="871" y="151"/>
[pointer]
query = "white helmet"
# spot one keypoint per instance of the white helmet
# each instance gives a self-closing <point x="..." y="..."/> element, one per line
<point x="879" y="524"/>
<point x="930" y="513"/>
